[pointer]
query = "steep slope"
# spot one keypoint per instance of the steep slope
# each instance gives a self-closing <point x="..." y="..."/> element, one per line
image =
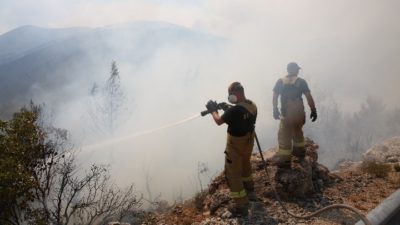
<point x="27" y="39"/>
<point x="355" y="184"/>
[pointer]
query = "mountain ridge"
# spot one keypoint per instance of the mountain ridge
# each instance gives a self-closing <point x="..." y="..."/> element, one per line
<point x="35" y="61"/>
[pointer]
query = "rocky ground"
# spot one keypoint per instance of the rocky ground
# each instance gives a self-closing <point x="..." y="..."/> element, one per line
<point x="307" y="187"/>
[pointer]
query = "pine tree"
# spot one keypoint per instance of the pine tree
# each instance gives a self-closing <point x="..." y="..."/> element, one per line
<point x="108" y="109"/>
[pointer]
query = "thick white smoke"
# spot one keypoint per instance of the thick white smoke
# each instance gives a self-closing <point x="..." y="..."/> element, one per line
<point x="347" y="49"/>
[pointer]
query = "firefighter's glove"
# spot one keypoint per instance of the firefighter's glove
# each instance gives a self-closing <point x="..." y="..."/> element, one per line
<point x="224" y="106"/>
<point x="212" y="106"/>
<point x="277" y="114"/>
<point x="313" y="115"/>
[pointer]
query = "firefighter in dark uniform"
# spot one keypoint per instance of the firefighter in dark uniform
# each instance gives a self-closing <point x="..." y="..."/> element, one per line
<point x="292" y="116"/>
<point x="241" y="119"/>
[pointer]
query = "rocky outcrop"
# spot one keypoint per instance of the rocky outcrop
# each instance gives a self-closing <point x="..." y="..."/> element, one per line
<point x="349" y="185"/>
<point x="304" y="178"/>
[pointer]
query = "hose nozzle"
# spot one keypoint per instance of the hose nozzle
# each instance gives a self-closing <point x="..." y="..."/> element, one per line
<point x="223" y="106"/>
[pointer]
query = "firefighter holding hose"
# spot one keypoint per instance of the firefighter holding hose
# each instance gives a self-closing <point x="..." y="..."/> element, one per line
<point x="241" y="119"/>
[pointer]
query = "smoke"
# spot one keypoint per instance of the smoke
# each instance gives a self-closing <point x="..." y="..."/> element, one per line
<point x="348" y="50"/>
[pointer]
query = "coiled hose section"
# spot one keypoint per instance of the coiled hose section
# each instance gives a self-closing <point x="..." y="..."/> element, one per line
<point x="313" y="214"/>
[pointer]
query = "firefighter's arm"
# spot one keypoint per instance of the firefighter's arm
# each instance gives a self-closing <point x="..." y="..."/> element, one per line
<point x="310" y="100"/>
<point x="217" y="118"/>
<point x="275" y="100"/>
<point x="276" y="114"/>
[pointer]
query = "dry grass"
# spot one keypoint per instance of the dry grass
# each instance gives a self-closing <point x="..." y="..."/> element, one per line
<point x="394" y="178"/>
<point x="396" y="167"/>
<point x="380" y="170"/>
<point x="199" y="200"/>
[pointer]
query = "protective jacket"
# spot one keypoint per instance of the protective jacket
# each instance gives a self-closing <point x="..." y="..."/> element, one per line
<point x="241" y="120"/>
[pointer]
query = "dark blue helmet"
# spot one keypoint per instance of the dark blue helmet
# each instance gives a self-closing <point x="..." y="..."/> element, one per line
<point x="293" y="68"/>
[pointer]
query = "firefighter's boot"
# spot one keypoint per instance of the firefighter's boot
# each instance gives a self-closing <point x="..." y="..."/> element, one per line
<point x="300" y="153"/>
<point x="238" y="211"/>
<point x="252" y="196"/>
<point x="281" y="161"/>
<point x="248" y="185"/>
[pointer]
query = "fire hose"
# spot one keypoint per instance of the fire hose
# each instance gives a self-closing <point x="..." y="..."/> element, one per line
<point x="224" y="106"/>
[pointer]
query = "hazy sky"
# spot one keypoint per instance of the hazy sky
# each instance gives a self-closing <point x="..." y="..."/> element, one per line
<point x="331" y="39"/>
<point x="218" y="16"/>
<point x="55" y="13"/>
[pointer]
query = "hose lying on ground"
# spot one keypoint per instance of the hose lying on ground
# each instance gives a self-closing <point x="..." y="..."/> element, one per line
<point x="316" y="213"/>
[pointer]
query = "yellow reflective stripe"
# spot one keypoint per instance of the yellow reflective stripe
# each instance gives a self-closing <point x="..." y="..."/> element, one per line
<point x="246" y="179"/>
<point x="282" y="151"/>
<point x="281" y="125"/>
<point x="239" y="194"/>
<point x="299" y="144"/>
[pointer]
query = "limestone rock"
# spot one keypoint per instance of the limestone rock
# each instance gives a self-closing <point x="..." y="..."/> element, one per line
<point x="387" y="151"/>
<point x="219" y="198"/>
